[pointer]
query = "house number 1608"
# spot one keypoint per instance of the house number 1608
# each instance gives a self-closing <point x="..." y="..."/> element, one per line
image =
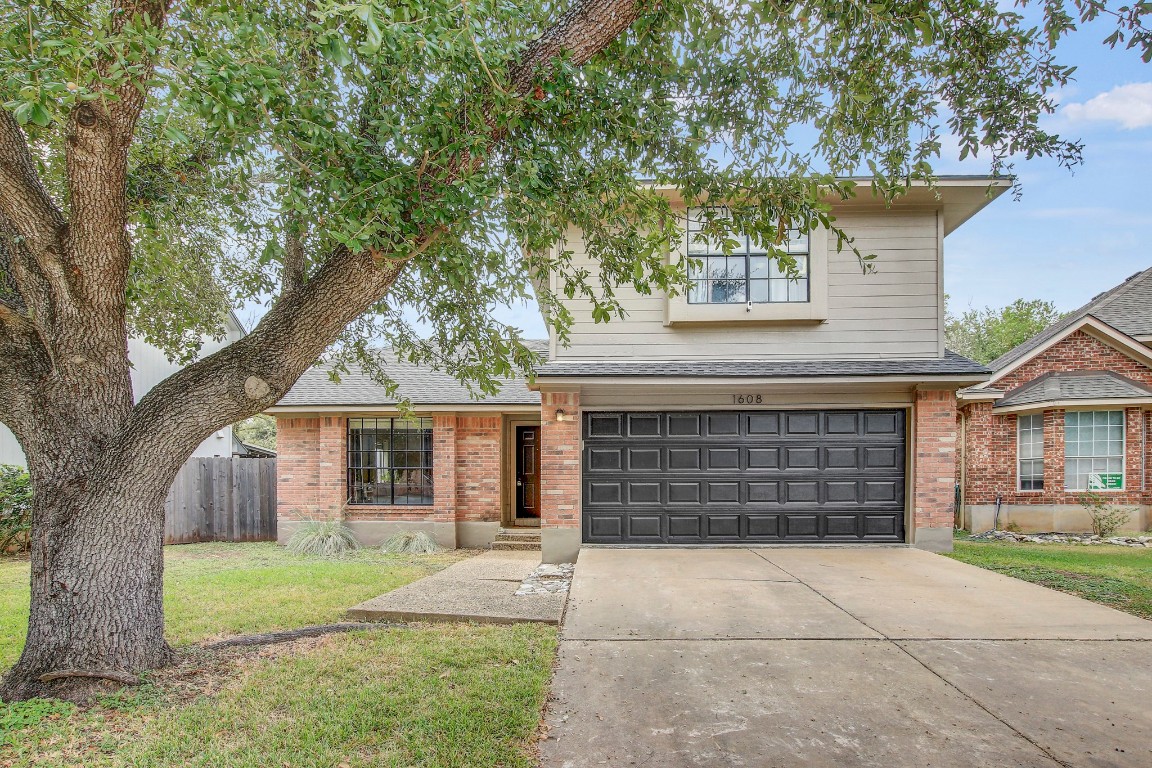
<point x="748" y="399"/>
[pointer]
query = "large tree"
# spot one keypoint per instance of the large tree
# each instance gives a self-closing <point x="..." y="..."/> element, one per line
<point x="389" y="171"/>
<point x="985" y="334"/>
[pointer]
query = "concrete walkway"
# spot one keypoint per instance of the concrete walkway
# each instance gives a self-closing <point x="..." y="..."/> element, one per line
<point x="480" y="589"/>
<point x="840" y="657"/>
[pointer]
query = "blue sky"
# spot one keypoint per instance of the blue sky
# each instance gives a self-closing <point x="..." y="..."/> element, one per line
<point x="1073" y="234"/>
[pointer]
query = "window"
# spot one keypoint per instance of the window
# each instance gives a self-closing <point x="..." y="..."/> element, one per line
<point x="748" y="273"/>
<point x="1030" y="452"/>
<point x="390" y="461"/>
<point x="1093" y="450"/>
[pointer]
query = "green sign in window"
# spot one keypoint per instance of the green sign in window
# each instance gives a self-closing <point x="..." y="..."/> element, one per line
<point x="1111" y="481"/>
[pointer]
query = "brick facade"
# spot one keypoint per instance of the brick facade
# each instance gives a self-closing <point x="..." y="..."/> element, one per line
<point x="310" y="472"/>
<point x="560" y="460"/>
<point x="934" y="478"/>
<point x="990" y="439"/>
<point x="466" y="461"/>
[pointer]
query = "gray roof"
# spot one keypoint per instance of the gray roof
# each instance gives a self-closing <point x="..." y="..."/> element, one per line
<point x="951" y="364"/>
<point x="1127" y="308"/>
<point x="421" y="385"/>
<point x="1079" y="385"/>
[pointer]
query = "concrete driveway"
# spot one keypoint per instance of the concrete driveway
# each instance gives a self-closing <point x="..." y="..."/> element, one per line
<point x="840" y="657"/>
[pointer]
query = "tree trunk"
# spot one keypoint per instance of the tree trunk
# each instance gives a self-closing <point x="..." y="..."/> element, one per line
<point x="97" y="584"/>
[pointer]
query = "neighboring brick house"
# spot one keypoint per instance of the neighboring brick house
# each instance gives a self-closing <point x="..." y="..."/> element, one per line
<point x="1065" y="413"/>
<point x="761" y="407"/>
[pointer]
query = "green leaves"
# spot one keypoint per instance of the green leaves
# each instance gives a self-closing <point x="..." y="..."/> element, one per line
<point x="391" y="126"/>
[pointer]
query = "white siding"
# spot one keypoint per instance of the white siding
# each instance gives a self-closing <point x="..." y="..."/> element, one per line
<point x="149" y="368"/>
<point x="892" y="313"/>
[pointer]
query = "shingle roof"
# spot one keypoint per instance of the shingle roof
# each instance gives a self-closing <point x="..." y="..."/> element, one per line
<point x="421" y="385"/>
<point x="950" y="364"/>
<point x="1079" y="385"/>
<point x="1127" y="308"/>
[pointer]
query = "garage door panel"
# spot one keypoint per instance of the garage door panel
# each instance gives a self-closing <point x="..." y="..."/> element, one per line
<point x="744" y="476"/>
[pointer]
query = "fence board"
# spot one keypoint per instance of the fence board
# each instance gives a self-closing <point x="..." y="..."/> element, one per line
<point x="225" y="498"/>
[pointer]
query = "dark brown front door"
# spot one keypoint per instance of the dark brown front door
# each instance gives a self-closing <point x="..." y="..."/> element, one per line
<point x="528" y="472"/>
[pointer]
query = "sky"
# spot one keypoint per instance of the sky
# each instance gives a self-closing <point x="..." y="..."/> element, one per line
<point x="1073" y="234"/>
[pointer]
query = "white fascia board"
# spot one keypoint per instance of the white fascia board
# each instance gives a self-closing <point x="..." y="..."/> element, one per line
<point x="567" y="383"/>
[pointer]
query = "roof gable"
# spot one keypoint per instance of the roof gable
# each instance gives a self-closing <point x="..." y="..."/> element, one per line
<point x="1127" y="308"/>
<point x="1088" y="325"/>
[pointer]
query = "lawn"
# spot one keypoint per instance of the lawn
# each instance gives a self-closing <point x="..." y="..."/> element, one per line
<point x="1120" y="577"/>
<point x="422" y="695"/>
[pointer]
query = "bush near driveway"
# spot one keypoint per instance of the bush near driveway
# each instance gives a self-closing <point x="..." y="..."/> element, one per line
<point x="422" y="695"/>
<point x="1119" y="577"/>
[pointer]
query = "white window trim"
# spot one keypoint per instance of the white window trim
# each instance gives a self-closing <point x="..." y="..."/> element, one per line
<point x="1019" y="461"/>
<point x="1123" y="453"/>
<point x="677" y="309"/>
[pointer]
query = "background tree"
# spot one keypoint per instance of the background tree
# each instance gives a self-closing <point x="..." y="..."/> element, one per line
<point x="361" y="163"/>
<point x="985" y="334"/>
<point x="258" y="430"/>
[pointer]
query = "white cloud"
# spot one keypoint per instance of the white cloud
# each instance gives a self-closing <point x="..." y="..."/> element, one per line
<point x="1129" y="105"/>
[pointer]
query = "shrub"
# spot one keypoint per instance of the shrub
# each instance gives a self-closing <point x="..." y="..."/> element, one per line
<point x="15" y="509"/>
<point x="327" y="539"/>
<point x="411" y="542"/>
<point x="1106" y="518"/>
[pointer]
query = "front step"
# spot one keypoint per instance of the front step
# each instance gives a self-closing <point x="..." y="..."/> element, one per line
<point x="521" y="539"/>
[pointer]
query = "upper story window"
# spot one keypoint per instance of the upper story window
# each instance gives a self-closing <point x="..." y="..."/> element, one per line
<point x="390" y="461"/>
<point x="751" y="273"/>
<point x="1094" y="450"/>
<point x="1030" y="452"/>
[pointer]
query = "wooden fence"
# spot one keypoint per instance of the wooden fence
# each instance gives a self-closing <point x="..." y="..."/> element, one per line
<point x="224" y="498"/>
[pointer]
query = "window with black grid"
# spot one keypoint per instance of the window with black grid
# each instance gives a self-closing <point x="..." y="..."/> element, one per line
<point x="390" y="461"/>
<point x="750" y="272"/>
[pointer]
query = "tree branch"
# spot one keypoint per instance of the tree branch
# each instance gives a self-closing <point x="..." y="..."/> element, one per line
<point x="99" y="134"/>
<point x="253" y="373"/>
<point x="23" y="199"/>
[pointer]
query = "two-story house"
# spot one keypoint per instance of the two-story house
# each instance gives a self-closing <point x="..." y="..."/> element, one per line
<point x="812" y="407"/>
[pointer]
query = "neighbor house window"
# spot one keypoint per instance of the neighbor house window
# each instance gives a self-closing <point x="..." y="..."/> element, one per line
<point x="1030" y="452"/>
<point x="1093" y="450"/>
<point x="390" y="461"/>
<point x="748" y="273"/>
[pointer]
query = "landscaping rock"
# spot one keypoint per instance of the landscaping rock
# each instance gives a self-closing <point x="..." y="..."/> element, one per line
<point x="548" y="579"/>
<point x="1057" y="537"/>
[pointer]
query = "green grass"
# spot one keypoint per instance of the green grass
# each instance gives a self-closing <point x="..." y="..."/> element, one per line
<point x="422" y="695"/>
<point x="215" y="590"/>
<point x="1119" y="577"/>
<point x="444" y="695"/>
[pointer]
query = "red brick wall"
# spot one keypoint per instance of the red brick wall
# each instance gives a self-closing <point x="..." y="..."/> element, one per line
<point x="560" y="460"/>
<point x="478" y="476"/>
<point x="312" y="472"/>
<point x="990" y="438"/>
<point x="934" y="479"/>
<point x="1078" y="352"/>
<point x="310" y="462"/>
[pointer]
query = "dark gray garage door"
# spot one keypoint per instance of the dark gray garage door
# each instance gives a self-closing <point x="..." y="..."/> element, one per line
<point x="743" y="476"/>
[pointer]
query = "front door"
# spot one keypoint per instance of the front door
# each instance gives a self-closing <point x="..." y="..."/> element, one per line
<point x="528" y="474"/>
